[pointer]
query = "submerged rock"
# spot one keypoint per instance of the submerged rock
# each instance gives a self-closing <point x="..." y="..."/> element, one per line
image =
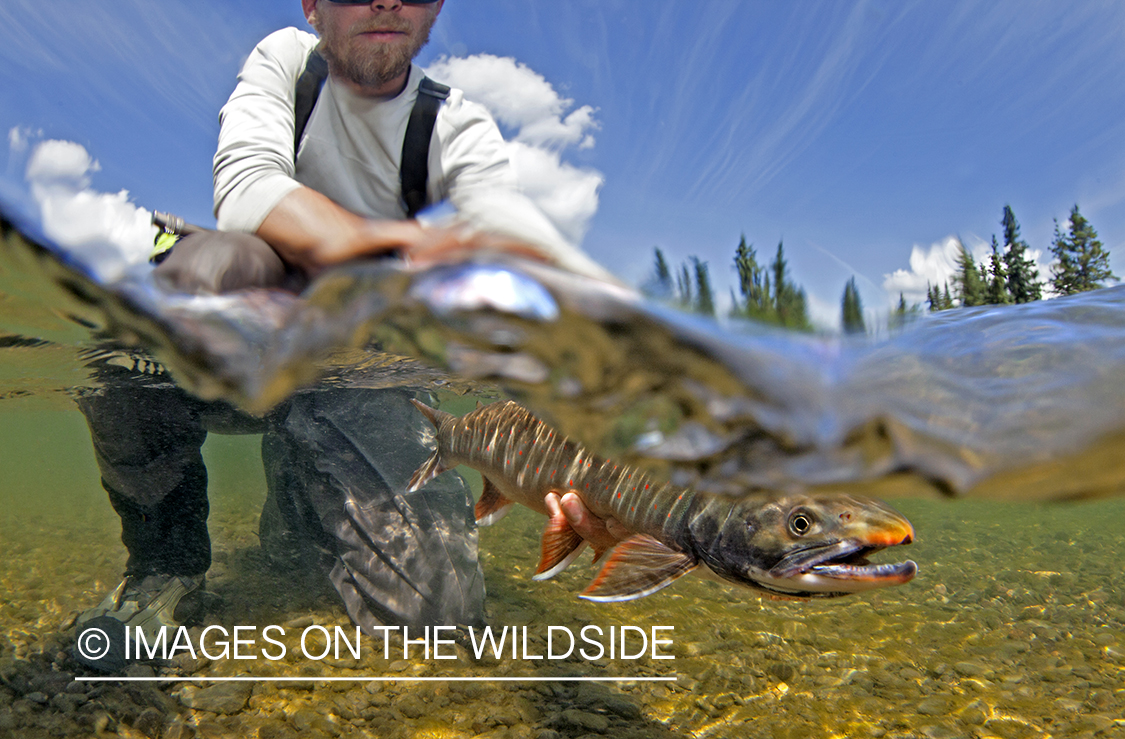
<point x="225" y="698"/>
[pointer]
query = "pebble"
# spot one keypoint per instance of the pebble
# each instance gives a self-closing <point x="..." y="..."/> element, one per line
<point x="782" y="671"/>
<point x="410" y="705"/>
<point x="37" y="697"/>
<point x="585" y="720"/>
<point x="625" y="709"/>
<point x="937" y="705"/>
<point x="224" y="698"/>
<point x="969" y="669"/>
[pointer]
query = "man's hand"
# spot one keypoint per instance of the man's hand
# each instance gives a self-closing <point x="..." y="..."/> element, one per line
<point x="312" y="232"/>
<point x="602" y="534"/>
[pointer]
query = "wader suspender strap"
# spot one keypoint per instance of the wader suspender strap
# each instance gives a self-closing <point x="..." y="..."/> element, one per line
<point x="414" y="170"/>
<point x="308" y="90"/>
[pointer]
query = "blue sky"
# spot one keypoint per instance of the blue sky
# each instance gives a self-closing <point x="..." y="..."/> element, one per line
<point x="859" y="132"/>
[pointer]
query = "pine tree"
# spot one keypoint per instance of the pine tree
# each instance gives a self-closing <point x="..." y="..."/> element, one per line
<point x="663" y="274"/>
<point x="903" y="314"/>
<point x="967" y="282"/>
<point x="1082" y="263"/>
<point x="704" y="297"/>
<point x="659" y="285"/>
<point x="1024" y="284"/>
<point x="683" y="287"/>
<point x="753" y="282"/>
<point x="996" y="290"/>
<point x="767" y="293"/>
<point x="853" y="309"/>
<point x="790" y="301"/>
<point x="937" y="299"/>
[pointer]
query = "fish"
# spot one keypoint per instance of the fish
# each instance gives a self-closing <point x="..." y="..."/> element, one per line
<point x="785" y="544"/>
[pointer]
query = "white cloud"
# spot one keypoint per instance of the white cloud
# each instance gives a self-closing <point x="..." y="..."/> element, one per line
<point x="104" y="231"/>
<point x="933" y="265"/>
<point x="519" y="98"/>
<point x="523" y="101"/>
<point x="566" y="194"/>
<point x="17" y="140"/>
<point x="60" y="163"/>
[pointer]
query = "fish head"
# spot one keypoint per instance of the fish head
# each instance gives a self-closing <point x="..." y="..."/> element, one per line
<point x="800" y="545"/>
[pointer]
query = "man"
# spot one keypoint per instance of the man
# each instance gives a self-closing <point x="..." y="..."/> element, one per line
<point x="337" y="460"/>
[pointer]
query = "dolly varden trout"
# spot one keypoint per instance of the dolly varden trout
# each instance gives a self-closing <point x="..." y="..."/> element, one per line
<point x="786" y="544"/>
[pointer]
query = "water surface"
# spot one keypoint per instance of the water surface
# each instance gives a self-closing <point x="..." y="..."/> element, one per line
<point x="1013" y="627"/>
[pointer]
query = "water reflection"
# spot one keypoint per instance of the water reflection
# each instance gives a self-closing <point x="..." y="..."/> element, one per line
<point x="1009" y="402"/>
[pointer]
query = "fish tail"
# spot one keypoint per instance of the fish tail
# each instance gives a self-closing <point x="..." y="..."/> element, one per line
<point x="433" y="415"/>
<point x="432" y="467"/>
<point x="428" y="470"/>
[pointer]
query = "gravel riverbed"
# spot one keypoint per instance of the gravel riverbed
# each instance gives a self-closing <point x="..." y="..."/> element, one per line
<point x="1013" y="628"/>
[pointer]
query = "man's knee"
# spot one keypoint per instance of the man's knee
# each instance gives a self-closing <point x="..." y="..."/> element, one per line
<point x="218" y="262"/>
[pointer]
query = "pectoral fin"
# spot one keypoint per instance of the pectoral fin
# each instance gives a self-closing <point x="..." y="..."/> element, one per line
<point x="492" y="505"/>
<point x="561" y="546"/>
<point x="638" y="566"/>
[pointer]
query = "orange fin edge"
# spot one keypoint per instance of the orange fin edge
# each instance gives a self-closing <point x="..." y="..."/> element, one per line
<point x="492" y="505"/>
<point x="638" y="566"/>
<point x="560" y="545"/>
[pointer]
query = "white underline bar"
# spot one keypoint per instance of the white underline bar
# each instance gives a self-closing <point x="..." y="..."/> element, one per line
<point x="245" y="678"/>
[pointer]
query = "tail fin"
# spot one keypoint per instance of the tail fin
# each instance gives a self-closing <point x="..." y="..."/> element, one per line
<point x="429" y="469"/>
<point x="432" y="467"/>
<point x="433" y="415"/>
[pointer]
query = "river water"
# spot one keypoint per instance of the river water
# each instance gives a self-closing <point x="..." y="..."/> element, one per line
<point x="996" y="431"/>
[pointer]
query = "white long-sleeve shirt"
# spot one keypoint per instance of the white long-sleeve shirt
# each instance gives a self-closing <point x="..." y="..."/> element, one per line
<point x="351" y="151"/>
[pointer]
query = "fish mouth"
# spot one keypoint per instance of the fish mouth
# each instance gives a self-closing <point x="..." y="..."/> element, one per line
<point x="838" y="569"/>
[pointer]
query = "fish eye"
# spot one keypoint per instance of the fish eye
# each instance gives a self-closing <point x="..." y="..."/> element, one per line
<point x="800" y="523"/>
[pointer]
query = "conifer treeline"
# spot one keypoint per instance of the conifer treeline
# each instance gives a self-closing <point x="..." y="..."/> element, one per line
<point x="1007" y="275"/>
<point x="767" y="293"/>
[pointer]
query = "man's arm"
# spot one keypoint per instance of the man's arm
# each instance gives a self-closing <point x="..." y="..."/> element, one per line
<point x="310" y="231"/>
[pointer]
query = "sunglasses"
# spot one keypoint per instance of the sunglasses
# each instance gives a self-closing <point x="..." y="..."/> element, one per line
<point x="368" y="2"/>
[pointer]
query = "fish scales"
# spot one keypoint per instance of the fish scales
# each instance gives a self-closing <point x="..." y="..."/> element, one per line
<point x="526" y="459"/>
<point x="786" y="544"/>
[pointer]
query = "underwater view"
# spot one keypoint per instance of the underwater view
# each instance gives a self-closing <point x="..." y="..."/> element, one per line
<point x="1013" y="627"/>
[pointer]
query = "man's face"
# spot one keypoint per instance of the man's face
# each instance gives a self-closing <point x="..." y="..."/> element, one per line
<point x="371" y="45"/>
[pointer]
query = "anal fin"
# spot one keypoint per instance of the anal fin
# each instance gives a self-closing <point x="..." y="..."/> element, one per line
<point x="492" y="505"/>
<point x="638" y="566"/>
<point x="561" y="545"/>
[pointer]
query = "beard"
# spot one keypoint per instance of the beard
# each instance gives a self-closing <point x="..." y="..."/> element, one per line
<point x="372" y="65"/>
